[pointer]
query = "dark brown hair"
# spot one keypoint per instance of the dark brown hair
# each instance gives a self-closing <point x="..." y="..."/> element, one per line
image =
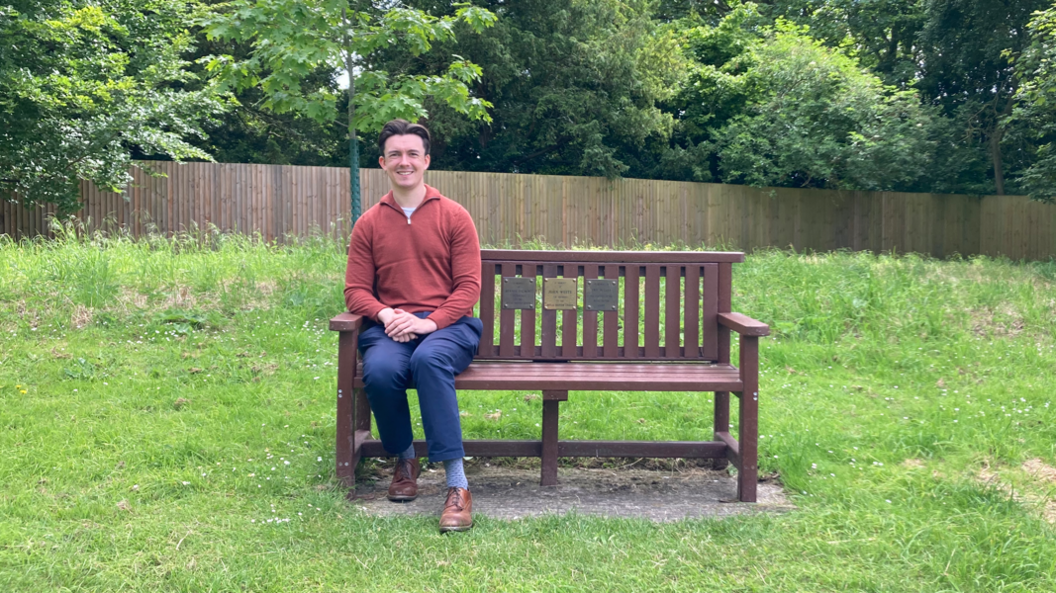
<point x="401" y="127"/>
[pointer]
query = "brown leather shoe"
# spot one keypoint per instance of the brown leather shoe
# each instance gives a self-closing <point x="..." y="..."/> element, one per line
<point x="404" y="486"/>
<point x="457" y="515"/>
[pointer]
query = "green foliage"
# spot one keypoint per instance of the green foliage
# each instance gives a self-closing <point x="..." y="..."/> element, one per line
<point x="1037" y="105"/>
<point x="292" y="40"/>
<point x="84" y="85"/>
<point x="770" y="106"/>
<point x="959" y="55"/>
<point x="576" y="88"/>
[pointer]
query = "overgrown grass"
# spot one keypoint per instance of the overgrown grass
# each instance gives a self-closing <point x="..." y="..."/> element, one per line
<point x="166" y="423"/>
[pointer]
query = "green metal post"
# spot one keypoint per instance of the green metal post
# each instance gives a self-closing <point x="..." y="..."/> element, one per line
<point x="353" y="141"/>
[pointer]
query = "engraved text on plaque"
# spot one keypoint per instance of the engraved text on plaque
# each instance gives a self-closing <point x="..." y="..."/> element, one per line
<point x="601" y="295"/>
<point x="518" y="293"/>
<point x="559" y="293"/>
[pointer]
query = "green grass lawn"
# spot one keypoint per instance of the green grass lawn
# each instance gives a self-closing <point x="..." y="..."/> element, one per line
<point x="167" y="424"/>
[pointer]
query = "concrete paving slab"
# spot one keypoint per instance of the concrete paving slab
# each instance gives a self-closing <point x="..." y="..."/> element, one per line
<point x="512" y="493"/>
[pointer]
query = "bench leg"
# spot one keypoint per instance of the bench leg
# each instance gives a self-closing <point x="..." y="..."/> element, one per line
<point x="345" y="446"/>
<point x="722" y="423"/>
<point x="343" y="450"/>
<point x="551" y="401"/>
<point x="353" y="427"/>
<point x="748" y="429"/>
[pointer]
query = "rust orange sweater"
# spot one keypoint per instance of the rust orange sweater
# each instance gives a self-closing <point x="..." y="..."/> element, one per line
<point x="431" y="263"/>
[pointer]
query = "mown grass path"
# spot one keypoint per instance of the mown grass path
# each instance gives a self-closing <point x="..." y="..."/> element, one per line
<point x="166" y="424"/>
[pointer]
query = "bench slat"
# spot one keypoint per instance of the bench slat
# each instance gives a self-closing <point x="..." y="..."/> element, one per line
<point x="724" y="291"/>
<point x="710" y="312"/>
<point x="527" y="349"/>
<point x="672" y="310"/>
<point x="652" y="311"/>
<point x="568" y="317"/>
<point x="590" y="318"/>
<point x="611" y="336"/>
<point x="487" y="308"/>
<point x="506" y="317"/>
<point x="691" y="327"/>
<point x="549" y="326"/>
<point x="630" y="312"/>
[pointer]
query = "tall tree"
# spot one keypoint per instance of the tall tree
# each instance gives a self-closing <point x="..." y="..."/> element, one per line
<point x="575" y="84"/>
<point x="251" y="133"/>
<point x="968" y="48"/>
<point x="293" y="39"/>
<point x="86" y="83"/>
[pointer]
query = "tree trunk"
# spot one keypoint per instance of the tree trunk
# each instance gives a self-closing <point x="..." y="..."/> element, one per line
<point x="995" y="155"/>
<point x="995" y="146"/>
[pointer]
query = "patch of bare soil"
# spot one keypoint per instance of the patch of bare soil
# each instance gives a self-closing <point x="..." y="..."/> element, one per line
<point x="81" y="316"/>
<point x="1003" y="323"/>
<point x="503" y="492"/>
<point x="1042" y="478"/>
<point x="1040" y="470"/>
<point x="127" y="296"/>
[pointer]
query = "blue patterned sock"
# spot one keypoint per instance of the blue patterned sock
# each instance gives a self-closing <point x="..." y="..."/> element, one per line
<point x="456" y="475"/>
<point x="409" y="453"/>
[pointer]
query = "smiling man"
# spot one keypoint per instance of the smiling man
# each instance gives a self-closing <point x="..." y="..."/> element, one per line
<point x="414" y="274"/>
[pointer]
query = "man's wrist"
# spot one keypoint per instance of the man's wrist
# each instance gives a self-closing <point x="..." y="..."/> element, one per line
<point x="384" y="315"/>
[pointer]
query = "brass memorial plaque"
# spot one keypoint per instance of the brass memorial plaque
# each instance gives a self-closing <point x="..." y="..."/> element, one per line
<point x="518" y="293"/>
<point x="559" y="293"/>
<point x="601" y="295"/>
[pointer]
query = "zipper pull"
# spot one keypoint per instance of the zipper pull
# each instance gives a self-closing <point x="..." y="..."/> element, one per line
<point x="408" y="220"/>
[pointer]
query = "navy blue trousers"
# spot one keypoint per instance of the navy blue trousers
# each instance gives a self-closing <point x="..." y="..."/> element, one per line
<point x="429" y="364"/>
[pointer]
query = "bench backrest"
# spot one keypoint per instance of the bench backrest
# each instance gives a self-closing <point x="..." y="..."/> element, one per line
<point x="670" y="299"/>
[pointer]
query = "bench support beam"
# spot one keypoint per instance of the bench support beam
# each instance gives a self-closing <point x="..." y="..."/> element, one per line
<point x="551" y="401"/>
<point x="496" y="448"/>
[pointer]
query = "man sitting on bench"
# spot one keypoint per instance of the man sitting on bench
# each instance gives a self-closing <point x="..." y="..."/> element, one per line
<point x="414" y="275"/>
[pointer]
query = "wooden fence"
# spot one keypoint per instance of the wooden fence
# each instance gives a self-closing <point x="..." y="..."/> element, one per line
<point x="280" y="201"/>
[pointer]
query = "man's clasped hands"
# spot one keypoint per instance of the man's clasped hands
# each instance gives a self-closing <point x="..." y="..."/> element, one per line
<point x="402" y="326"/>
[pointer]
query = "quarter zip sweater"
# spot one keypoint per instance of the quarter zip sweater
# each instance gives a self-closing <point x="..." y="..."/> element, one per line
<point x="429" y="261"/>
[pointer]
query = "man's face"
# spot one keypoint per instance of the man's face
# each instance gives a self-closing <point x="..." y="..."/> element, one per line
<point x="404" y="160"/>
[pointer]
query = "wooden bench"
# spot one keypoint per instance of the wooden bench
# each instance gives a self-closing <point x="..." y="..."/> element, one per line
<point x="679" y="300"/>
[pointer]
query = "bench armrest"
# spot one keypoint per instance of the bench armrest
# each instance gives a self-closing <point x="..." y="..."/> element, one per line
<point x="742" y="324"/>
<point x="346" y="322"/>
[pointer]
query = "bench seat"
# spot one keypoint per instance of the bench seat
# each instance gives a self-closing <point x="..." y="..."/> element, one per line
<point x="586" y="376"/>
